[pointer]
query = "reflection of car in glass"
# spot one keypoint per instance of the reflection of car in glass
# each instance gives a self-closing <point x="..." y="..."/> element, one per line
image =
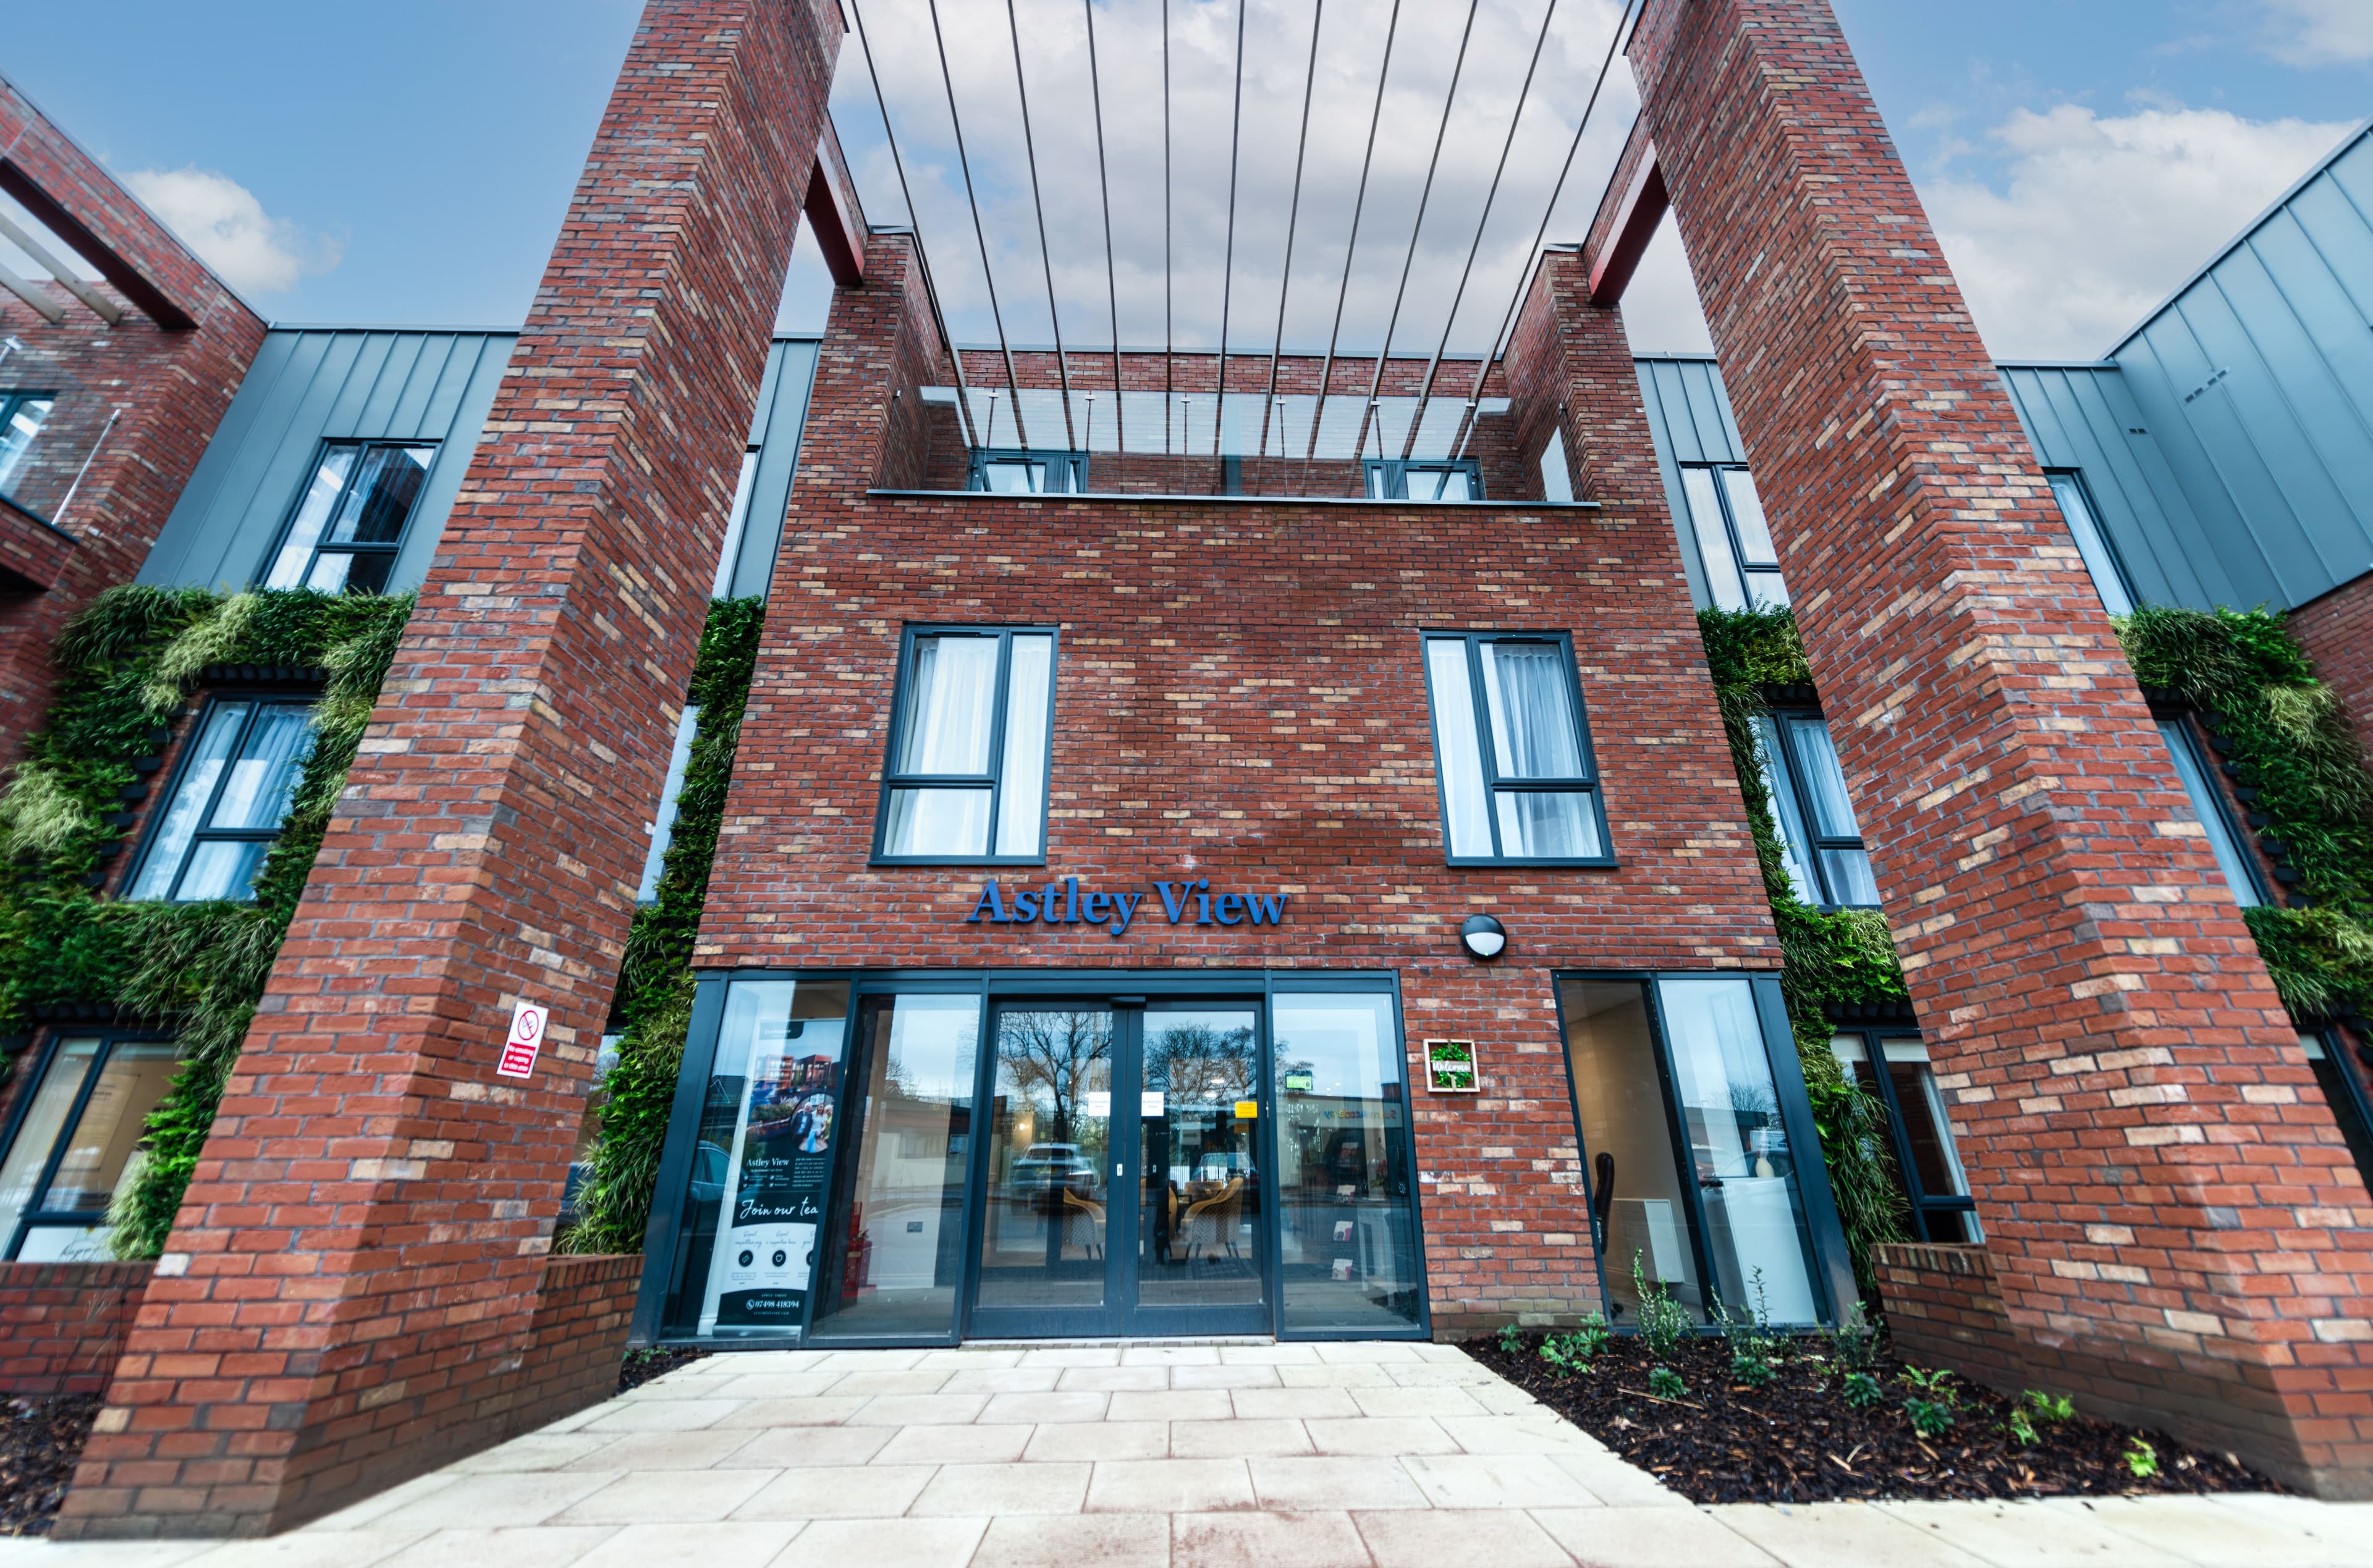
<point x="708" y="1168"/>
<point x="1050" y="1167"/>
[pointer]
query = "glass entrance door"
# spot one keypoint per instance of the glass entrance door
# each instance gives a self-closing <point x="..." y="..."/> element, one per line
<point x="1048" y="1265"/>
<point x="1203" y="1196"/>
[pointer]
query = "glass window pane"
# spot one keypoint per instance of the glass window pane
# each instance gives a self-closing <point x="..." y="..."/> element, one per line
<point x="1713" y="541"/>
<point x="191" y="793"/>
<point x="1545" y="825"/>
<point x="1199" y="1205"/>
<point x="1015" y="478"/>
<point x="1747" y="515"/>
<point x="100" y="1154"/>
<point x="1739" y="1148"/>
<point x="367" y="574"/>
<point x="265" y="776"/>
<point x="1930" y="1136"/>
<point x="937" y="822"/>
<point x="313" y="516"/>
<point x="1796" y="844"/>
<point x="1824" y="780"/>
<point x="1636" y="1197"/>
<point x="1439" y="484"/>
<point x="222" y="868"/>
<point x="2207" y="810"/>
<point x="950" y="706"/>
<point x="1854" y="1058"/>
<point x="763" y="1162"/>
<point x="737" y="522"/>
<point x="1380" y="483"/>
<point x="1461" y="755"/>
<point x="1766" y="587"/>
<point x="1848" y="873"/>
<point x="1349" y="1246"/>
<point x="17" y="436"/>
<point x="662" y="830"/>
<point x="1557" y="479"/>
<point x="382" y="494"/>
<point x="330" y="569"/>
<point x="897" y="1257"/>
<point x="1021" y="808"/>
<point x="1535" y="731"/>
<point x="2100" y="562"/>
<point x="2331" y="1076"/>
<point x="1043" y="1237"/>
<point x="36" y="1135"/>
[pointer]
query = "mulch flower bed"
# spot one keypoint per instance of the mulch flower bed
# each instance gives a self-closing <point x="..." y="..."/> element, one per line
<point x="39" y="1441"/>
<point x="1796" y="1439"/>
<point x="652" y="1361"/>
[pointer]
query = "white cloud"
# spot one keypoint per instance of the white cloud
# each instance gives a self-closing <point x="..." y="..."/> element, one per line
<point x="2321" y="32"/>
<point x="221" y="220"/>
<point x="2098" y="219"/>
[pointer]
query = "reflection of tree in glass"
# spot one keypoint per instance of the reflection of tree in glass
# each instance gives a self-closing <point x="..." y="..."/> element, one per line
<point x="1752" y="1104"/>
<point x="1199" y="1061"/>
<point x="1053" y="1054"/>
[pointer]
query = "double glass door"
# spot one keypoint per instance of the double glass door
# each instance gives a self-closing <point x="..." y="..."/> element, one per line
<point x="1125" y="1184"/>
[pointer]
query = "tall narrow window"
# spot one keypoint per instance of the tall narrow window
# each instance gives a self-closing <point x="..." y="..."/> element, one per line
<point x="1517" y="782"/>
<point x="236" y="782"/>
<point x="1557" y="479"/>
<point x="2208" y="806"/>
<point x="1819" y="839"/>
<point x="21" y="417"/>
<point x="969" y="736"/>
<point x="1895" y="1069"/>
<point x="662" y="828"/>
<point x="349" y="523"/>
<point x="737" y="525"/>
<point x="2108" y="574"/>
<point x="1734" y="541"/>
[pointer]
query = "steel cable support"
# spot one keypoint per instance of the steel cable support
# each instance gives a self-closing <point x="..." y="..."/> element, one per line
<point x="1228" y="260"/>
<point x="1103" y="184"/>
<point x="1292" y="215"/>
<point x="1012" y="382"/>
<point x="1046" y="257"/>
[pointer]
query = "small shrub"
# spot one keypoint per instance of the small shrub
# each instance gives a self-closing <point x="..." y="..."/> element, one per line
<point x="1663" y="1322"/>
<point x="2019" y="1427"/>
<point x="1511" y="1339"/>
<point x="1754" y="1347"/>
<point x="2048" y="1409"/>
<point x="1577" y="1351"/>
<point x="1862" y="1390"/>
<point x="1853" y="1343"/>
<point x="1930" y="1418"/>
<point x="1932" y="1386"/>
<point x="2142" y="1459"/>
<point x="1665" y="1383"/>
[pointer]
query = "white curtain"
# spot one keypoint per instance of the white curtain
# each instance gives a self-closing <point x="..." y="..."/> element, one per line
<point x="1461" y="759"/>
<point x="1533" y="724"/>
<point x="196" y="786"/>
<point x="1022" y="814"/>
<point x="950" y="705"/>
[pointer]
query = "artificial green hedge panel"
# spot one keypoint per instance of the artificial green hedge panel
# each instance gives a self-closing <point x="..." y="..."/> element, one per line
<point x="126" y="669"/>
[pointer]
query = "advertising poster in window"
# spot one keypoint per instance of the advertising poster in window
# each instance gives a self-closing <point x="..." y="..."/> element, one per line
<point x="779" y="1168"/>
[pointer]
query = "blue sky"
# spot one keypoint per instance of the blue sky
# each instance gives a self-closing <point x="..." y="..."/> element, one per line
<point x="409" y="161"/>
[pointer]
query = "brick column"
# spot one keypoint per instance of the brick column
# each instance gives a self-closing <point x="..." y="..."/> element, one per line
<point x="349" y="1292"/>
<point x="2175" y="1223"/>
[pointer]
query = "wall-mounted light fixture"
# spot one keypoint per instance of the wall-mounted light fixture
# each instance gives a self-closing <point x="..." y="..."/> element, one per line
<point x="1483" y="936"/>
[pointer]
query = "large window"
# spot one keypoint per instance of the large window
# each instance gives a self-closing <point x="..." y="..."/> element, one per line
<point x="21" y="417"/>
<point x="2208" y="806"/>
<point x="662" y="828"/>
<point x="1819" y="839"/>
<point x="737" y="524"/>
<point x="349" y="523"/>
<point x="2109" y="573"/>
<point x="1021" y="472"/>
<point x="1517" y="781"/>
<point x="970" y="734"/>
<point x="1895" y="1068"/>
<point x="1457" y="480"/>
<point x="76" y="1143"/>
<point x="1742" y="567"/>
<point x="236" y="782"/>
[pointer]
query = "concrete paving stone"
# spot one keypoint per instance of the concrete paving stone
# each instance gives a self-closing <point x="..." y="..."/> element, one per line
<point x="660" y="1497"/>
<point x="537" y="1546"/>
<point x="802" y="1385"/>
<point x="778" y="1360"/>
<point x="1329" y="1482"/>
<point x="1073" y="1355"/>
<point x="354" y="1516"/>
<point x="1173" y="1356"/>
<point x="849" y="1492"/>
<point x="1496" y="1481"/>
<point x="38" y="1551"/>
<point x="927" y="1410"/>
<point x="815" y="1447"/>
<point x="2351" y="1520"/>
<point x="1326" y="1540"/>
<point x="1369" y="1353"/>
<point x="732" y="1543"/>
<point x="964" y="1358"/>
<point x="526" y="1498"/>
<point x="666" y="1451"/>
<point x="894" y="1543"/>
<point x="1429" y="1351"/>
<point x="1442" y="1374"/>
<point x="2018" y="1534"/>
<point x="662" y="1415"/>
<point x="1824" y="1535"/>
<point x="868" y="1361"/>
<point x="1518" y="1434"/>
<point x="1502" y="1399"/>
<point x="954" y="1445"/>
<point x="1317" y="1375"/>
<point x="1169" y="1486"/>
<point x="1094" y="1440"/>
<point x="674" y="1386"/>
<point x="1236" y="1439"/>
<point x="1006" y="1380"/>
<point x="764" y="1414"/>
<point x="1652" y="1538"/>
<point x="924" y="1380"/>
<point x="1268" y="1355"/>
<point x="1437" y="1537"/>
<point x="1615" y="1481"/>
<point x="983" y="1491"/>
<point x="1389" y="1435"/>
<point x="1436" y="1403"/>
<point x="1041" y="1409"/>
<point x="302" y="1548"/>
<point x="536" y="1451"/>
<point x="1112" y="1379"/>
<point x="1319" y="1404"/>
<point x="1224" y="1377"/>
<point x="2202" y="1530"/>
<point x="574" y="1420"/>
<point x="1054" y="1540"/>
<point x="1178" y="1404"/>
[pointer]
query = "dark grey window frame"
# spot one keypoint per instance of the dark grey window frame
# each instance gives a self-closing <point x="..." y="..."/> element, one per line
<point x="1747" y="573"/>
<point x="1073" y="465"/>
<point x="1923" y="1204"/>
<point x="1790" y="771"/>
<point x="1493" y="783"/>
<point x="362" y="446"/>
<point x="2125" y="578"/>
<point x="307" y="697"/>
<point x="10" y="401"/>
<point x="993" y="779"/>
<point x="1397" y="474"/>
<point x="34" y="1219"/>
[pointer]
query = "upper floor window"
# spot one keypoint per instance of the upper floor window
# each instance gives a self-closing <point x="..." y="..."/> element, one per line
<point x="971" y="730"/>
<point x="737" y="524"/>
<point x="1517" y="782"/>
<point x="2101" y="563"/>
<point x="1013" y="471"/>
<point x="21" y="417"/>
<point x="1457" y="480"/>
<point x="1742" y="567"/>
<point x="1896" y="1069"/>
<point x="1819" y="839"/>
<point x="2208" y="805"/>
<point x="349" y="523"/>
<point x="82" y="1120"/>
<point x="235" y="783"/>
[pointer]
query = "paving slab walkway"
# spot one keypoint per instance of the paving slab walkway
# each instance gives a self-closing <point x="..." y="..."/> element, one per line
<point x="1164" y="1456"/>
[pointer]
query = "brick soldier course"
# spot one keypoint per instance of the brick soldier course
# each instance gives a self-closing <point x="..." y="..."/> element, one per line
<point x="2176" y="1228"/>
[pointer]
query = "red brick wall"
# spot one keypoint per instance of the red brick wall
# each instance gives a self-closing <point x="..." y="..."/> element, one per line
<point x="2337" y="632"/>
<point x="2163" y="1192"/>
<point x="583" y="1307"/>
<point x="62" y="1325"/>
<point x="351" y="1283"/>
<point x="1241" y="697"/>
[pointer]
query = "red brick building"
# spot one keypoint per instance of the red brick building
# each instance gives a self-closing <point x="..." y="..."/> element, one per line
<point x="1216" y="843"/>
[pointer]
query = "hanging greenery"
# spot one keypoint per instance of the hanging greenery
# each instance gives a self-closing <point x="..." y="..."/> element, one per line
<point x="655" y="982"/>
<point x="127" y="667"/>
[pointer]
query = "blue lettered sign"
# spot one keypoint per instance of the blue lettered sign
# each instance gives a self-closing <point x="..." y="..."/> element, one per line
<point x="1064" y="902"/>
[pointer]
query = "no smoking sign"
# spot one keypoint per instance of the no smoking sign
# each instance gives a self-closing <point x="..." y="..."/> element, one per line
<point x="526" y="1036"/>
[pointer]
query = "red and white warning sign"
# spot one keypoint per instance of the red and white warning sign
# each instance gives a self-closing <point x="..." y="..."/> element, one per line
<point x="526" y="1036"/>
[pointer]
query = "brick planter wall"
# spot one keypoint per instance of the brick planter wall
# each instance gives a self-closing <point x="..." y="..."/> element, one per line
<point x="1943" y="1310"/>
<point x="582" y="1311"/>
<point x="62" y="1325"/>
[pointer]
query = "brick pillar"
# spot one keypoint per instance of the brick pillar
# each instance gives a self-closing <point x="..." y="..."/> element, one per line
<point x="2171" y="1207"/>
<point x="350" y="1290"/>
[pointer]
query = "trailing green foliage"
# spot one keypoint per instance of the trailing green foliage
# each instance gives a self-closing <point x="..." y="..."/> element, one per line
<point x="126" y="668"/>
<point x="1839" y="956"/>
<point x="2292" y="746"/>
<point x="655" y="983"/>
